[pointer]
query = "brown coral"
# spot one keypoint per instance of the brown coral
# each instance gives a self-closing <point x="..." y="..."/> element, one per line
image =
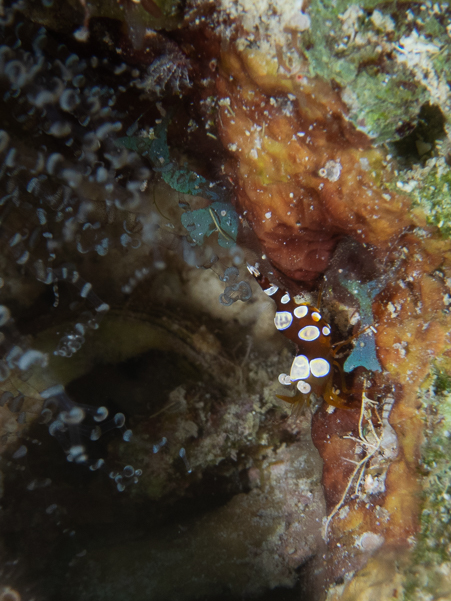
<point x="304" y="178"/>
<point x="304" y="175"/>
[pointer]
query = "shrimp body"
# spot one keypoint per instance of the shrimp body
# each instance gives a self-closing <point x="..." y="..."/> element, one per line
<point x="312" y="367"/>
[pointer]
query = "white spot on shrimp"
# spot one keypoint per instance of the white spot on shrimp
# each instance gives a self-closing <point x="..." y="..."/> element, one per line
<point x="304" y="387"/>
<point x="283" y="320"/>
<point x="285" y="299"/>
<point x="300" y="369"/>
<point x="301" y="311"/>
<point x="271" y="290"/>
<point x="309" y="333"/>
<point x="285" y="379"/>
<point x="319" y="367"/>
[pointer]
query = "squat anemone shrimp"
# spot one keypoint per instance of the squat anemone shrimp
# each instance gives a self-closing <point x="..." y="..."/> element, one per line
<point x="312" y="369"/>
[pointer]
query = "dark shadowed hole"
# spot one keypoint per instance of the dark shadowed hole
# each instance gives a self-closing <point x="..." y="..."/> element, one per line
<point x="418" y="140"/>
<point x="276" y="594"/>
<point x="140" y="385"/>
<point x="89" y="506"/>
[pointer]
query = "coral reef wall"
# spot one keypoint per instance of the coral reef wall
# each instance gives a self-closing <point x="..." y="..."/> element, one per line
<point x="305" y="178"/>
<point x="148" y="152"/>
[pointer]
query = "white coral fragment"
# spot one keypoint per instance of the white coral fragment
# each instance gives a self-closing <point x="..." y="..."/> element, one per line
<point x="416" y="52"/>
<point x="369" y="541"/>
<point x="331" y="171"/>
<point x="382" y="22"/>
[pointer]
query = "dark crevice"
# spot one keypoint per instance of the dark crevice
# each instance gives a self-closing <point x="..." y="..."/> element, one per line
<point x="418" y="140"/>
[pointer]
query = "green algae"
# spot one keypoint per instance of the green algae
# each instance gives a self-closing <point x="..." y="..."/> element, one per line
<point x="429" y="187"/>
<point x="389" y="61"/>
<point x="427" y="574"/>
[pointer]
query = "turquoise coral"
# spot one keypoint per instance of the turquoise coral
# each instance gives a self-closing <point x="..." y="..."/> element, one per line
<point x="155" y="148"/>
<point x="219" y="216"/>
<point x="364" y="352"/>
